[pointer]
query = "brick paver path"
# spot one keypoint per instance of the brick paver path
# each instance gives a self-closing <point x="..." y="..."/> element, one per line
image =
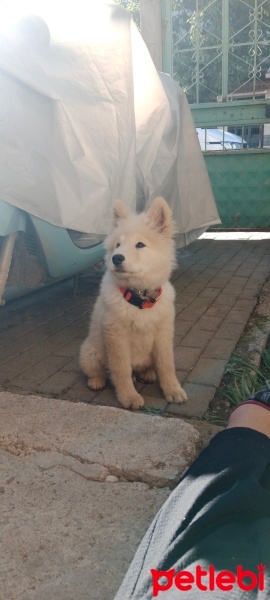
<point x="217" y="282"/>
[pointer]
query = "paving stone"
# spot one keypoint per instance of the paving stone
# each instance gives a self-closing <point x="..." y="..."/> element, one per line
<point x="219" y="282"/>
<point x="217" y="310"/>
<point x="81" y="392"/>
<point x="60" y="337"/>
<point x="252" y="285"/>
<point x="238" y="316"/>
<point x="61" y="308"/>
<point x="239" y="280"/>
<point x="244" y="272"/>
<point x="252" y="263"/>
<point x="182" y="327"/>
<point x="230" y="331"/>
<point x="17" y="362"/>
<point x="248" y="294"/>
<point x="182" y="301"/>
<point x="207" y="371"/>
<point x="219" y="348"/>
<point x="258" y="277"/>
<point x="152" y="390"/>
<point x="210" y="292"/>
<point x="56" y="325"/>
<point x="57" y="383"/>
<point x="106" y="397"/>
<point x="244" y="304"/>
<point x="22" y="341"/>
<point x="72" y="365"/>
<point x="197" y="337"/>
<point x="22" y="362"/>
<point x="209" y="323"/>
<point x="233" y="290"/>
<point x="39" y="371"/>
<point x="192" y="314"/>
<point x="152" y="402"/>
<point x="71" y="348"/>
<point x="199" y="398"/>
<point x="195" y="288"/>
<point x="186" y="358"/>
<point x="13" y="332"/>
<point x="201" y="303"/>
<point x="181" y="283"/>
<point x="181" y="375"/>
<point x="177" y="340"/>
<point x="84" y="395"/>
<point x="81" y="384"/>
<point x="224" y="300"/>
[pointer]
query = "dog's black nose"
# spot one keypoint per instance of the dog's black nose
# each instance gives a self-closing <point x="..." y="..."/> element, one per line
<point x="118" y="259"/>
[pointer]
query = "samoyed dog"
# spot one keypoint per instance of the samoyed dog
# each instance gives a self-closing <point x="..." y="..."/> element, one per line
<point x="132" y="324"/>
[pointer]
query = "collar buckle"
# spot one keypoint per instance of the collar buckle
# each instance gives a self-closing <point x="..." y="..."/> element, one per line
<point x="141" y="299"/>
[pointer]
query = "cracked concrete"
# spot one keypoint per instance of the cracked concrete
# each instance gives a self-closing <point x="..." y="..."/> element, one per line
<point x="65" y="537"/>
<point x="79" y="486"/>
<point x="99" y="440"/>
<point x="52" y="460"/>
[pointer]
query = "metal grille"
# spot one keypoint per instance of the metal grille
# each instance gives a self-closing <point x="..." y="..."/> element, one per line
<point x="30" y="243"/>
<point x="221" y="49"/>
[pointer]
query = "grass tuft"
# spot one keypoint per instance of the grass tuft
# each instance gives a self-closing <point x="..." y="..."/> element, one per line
<point x="246" y="378"/>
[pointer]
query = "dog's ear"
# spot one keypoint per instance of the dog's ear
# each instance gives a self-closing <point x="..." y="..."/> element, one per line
<point x="120" y="211"/>
<point x="159" y="217"/>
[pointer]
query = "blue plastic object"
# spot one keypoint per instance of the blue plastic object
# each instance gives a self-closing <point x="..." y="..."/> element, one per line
<point x="62" y="256"/>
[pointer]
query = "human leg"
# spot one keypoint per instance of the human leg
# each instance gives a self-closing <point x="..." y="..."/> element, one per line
<point x="218" y="516"/>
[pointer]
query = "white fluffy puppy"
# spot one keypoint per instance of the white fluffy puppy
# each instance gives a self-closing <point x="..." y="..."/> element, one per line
<point x="132" y="324"/>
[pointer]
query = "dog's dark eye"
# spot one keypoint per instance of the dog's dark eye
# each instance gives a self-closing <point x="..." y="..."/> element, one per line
<point x="117" y="245"/>
<point x="140" y="245"/>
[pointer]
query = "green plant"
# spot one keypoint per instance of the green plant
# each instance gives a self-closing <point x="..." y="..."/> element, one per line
<point x="246" y="378"/>
<point x="133" y="7"/>
<point x="214" y="419"/>
<point x="150" y="410"/>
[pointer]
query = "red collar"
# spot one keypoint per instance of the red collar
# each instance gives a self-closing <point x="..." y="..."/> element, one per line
<point x="138" y="300"/>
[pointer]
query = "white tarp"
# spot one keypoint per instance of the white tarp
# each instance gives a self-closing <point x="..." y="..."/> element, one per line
<point x="85" y="118"/>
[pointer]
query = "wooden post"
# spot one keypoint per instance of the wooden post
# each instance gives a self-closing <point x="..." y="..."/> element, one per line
<point x="167" y="36"/>
<point x="151" y="29"/>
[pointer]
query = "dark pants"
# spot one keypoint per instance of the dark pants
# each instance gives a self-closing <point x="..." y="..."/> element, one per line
<point x="216" y="520"/>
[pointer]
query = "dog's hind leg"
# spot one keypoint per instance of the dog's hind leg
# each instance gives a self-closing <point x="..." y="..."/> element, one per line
<point x="147" y="376"/>
<point x="92" y="362"/>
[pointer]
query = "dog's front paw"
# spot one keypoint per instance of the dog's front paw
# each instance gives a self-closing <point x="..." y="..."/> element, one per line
<point x="134" y="401"/>
<point x="175" y="394"/>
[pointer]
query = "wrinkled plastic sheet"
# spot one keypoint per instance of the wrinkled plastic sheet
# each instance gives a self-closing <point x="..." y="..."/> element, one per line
<point x="85" y="118"/>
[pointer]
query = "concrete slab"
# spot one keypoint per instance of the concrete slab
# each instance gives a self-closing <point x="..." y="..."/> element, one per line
<point x="96" y="441"/>
<point x="65" y="537"/>
<point x="79" y="486"/>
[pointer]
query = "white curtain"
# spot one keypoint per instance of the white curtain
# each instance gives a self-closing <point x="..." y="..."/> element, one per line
<point x="85" y="118"/>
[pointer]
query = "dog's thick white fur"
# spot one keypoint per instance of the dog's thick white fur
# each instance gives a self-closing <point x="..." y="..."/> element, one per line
<point x="123" y="339"/>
